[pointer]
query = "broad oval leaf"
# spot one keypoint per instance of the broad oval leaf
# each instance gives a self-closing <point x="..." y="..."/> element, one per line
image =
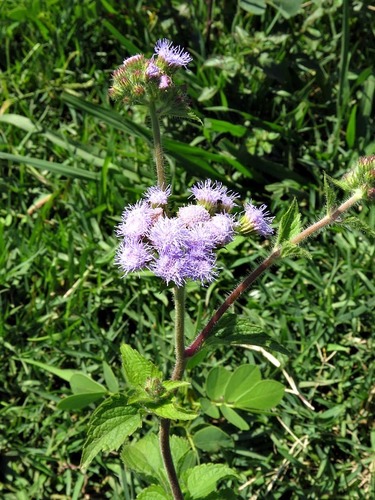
<point x="78" y="401"/>
<point x="216" y="382"/>
<point x="212" y="439"/>
<point x="241" y="380"/>
<point x="263" y="396"/>
<point x="234" y="418"/>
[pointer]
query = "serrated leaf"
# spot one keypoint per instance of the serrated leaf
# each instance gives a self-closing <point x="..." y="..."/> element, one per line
<point x="341" y="184"/>
<point x="144" y="456"/>
<point x="172" y="411"/>
<point x="154" y="492"/>
<point x="262" y="396"/>
<point x="212" y="439"/>
<point x="290" y="224"/>
<point x="233" y="329"/>
<point x="288" y="249"/>
<point x="329" y="194"/>
<point x="110" y="425"/>
<point x="138" y="370"/>
<point x="172" y="385"/>
<point x="202" y="479"/>
<point x="359" y="225"/>
<point x="82" y="384"/>
<point x="234" y="418"/>
<point x="79" y="401"/>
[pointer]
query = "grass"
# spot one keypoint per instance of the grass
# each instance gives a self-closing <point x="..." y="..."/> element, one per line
<point x="282" y="100"/>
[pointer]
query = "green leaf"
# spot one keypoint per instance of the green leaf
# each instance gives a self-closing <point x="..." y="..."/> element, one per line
<point x="110" y="378"/>
<point x="64" y="374"/>
<point x="223" y="126"/>
<point x="154" y="492"/>
<point x="110" y="425"/>
<point x="172" y="411"/>
<point x="81" y="383"/>
<point x="329" y="194"/>
<point x="359" y="225"/>
<point x="138" y="370"/>
<point x="79" y="401"/>
<point x="144" y="457"/>
<point x="172" y="385"/>
<point x="288" y="8"/>
<point x="262" y="396"/>
<point x="256" y="7"/>
<point x="209" y="408"/>
<point x="242" y="379"/>
<point x="234" y="418"/>
<point x="212" y="439"/>
<point x="290" y="224"/>
<point x="202" y="479"/>
<point x="351" y="128"/>
<point x="290" y="250"/>
<point x="57" y="168"/>
<point x="233" y="329"/>
<point x="216" y="382"/>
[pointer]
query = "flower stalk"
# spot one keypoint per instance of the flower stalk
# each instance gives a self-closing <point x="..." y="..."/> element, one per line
<point x="158" y="149"/>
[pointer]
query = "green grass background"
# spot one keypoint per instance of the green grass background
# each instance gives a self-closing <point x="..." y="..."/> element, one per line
<point x="285" y="91"/>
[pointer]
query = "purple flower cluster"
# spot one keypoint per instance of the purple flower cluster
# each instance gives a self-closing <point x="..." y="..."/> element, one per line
<point x="140" y="79"/>
<point x="183" y="247"/>
<point x="175" y="248"/>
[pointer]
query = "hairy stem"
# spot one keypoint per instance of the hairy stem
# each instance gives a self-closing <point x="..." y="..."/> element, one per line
<point x="165" y="449"/>
<point x="194" y="347"/>
<point x="165" y="424"/>
<point x="159" y="159"/>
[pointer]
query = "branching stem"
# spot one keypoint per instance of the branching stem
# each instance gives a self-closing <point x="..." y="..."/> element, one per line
<point x="197" y="343"/>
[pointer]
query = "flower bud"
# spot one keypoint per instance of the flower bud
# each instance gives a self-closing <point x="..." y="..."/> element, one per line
<point x="361" y="176"/>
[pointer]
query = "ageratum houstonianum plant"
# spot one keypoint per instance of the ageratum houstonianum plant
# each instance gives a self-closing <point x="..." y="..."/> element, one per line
<point x="178" y="247"/>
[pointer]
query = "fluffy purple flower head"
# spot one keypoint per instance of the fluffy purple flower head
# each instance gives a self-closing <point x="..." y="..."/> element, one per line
<point x="214" y="196"/>
<point x="173" y="55"/>
<point x="221" y="228"/>
<point x="136" y="221"/>
<point x="202" y="269"/>
<point x="132" y="256"/>
<point x="168" y="236"/>
<point x="256" y="219"/>
<point x="193" y="214"/>
<point x="157" y="196"/>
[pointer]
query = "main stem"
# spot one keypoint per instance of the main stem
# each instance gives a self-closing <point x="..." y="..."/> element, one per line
<point x="159" y="159"/>
<point x="194" y="347"/>
<point x="179" y="300"/>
